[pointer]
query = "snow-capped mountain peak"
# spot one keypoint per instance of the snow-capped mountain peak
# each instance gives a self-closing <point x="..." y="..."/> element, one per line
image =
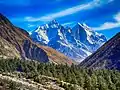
<point x="53" y="24"/>
<point x="77" y="42"/>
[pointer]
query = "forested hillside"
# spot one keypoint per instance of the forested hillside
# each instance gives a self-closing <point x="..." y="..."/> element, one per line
<point x="69" y="78"/>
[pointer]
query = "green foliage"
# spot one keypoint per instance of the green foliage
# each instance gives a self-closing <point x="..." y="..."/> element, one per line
<point x="87" y="79"/>
<point x="12" y="86"/>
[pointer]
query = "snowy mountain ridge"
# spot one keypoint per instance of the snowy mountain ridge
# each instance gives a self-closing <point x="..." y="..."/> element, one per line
<point x="77" y="42"/>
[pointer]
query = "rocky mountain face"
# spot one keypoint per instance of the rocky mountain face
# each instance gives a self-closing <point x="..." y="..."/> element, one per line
<point x="77" y="42"/>
<point x="7" y="50"/>
<point x="16" y="42"/>
<point x="108" y="56"/>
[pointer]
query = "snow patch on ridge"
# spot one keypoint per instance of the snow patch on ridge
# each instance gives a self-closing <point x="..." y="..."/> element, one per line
<point x="76" y="43"/>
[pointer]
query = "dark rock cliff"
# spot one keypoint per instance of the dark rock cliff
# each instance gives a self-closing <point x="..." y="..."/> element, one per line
<point x="108" y="56"/>
<point x="21" y="40"/>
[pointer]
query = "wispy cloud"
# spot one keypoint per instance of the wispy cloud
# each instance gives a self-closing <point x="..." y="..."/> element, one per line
<point x="31" y="25"/>
<point x="110" y="25"/>
<point x="117" y="17"/>
<point x="71" y="24"/>
<point x="69" y="11"/>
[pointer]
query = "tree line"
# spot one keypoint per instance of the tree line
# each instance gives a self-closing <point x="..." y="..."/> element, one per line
<point x="86" y="78"/>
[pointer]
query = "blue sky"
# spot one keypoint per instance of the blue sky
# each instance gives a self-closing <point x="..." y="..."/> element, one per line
<point x="101" y="15"/>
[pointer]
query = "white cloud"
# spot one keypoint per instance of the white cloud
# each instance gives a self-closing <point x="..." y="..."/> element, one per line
<point x="69" y="11"/>
<point x="110" y="25"/>
<point x="107" y="25"/>
<point x="117" y="17"/>
<point x="68" y="23"/>
<point x="31" y="25"/>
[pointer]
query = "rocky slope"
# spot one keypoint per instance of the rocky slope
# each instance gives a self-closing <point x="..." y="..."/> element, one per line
<point x="7" y="50"/>
<point x="108" y="56"/>
<point x="76" y="43"/>
<point x="7" y="79"/>
<point x="16" y="42"/>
